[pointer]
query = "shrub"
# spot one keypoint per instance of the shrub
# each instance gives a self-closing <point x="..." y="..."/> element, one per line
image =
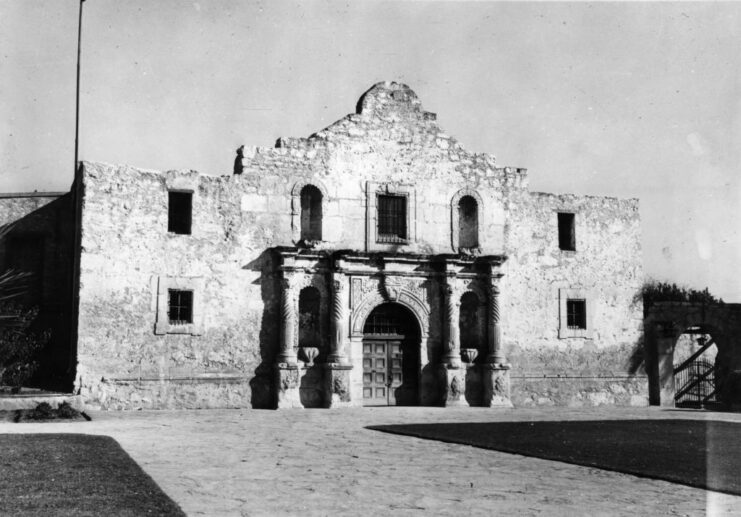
<point x="43" y="411"/>
<point x="653" y="291"/>
<point x="19" y="346"/>
<point x="66" y="411"/>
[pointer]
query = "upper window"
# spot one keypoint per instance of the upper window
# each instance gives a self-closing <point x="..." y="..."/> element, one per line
<point x="180" y="307"/>
<point x="468" y="223"/>
<point x="179" y="212"/>
<point x="311" y="213"/>
<point x="566" y="231"/>
<point x="576" y="314"/>
<point x="392" y="218"/>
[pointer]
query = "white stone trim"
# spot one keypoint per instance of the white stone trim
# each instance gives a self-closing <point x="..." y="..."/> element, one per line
<point x="162" y="322"/>
<point x="565" y="294"/>
<point x="296" y="206"/>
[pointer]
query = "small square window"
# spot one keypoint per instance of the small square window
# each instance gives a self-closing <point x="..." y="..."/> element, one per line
<point x="576" y="314"/>
<point x="566" y="232"/>
<point x="392" y="218"/>
<point x="179" y="212"/>
<point x="180" y="307"/>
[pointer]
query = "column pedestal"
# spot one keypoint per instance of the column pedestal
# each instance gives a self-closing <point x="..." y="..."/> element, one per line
<point x="287" y="381"/>
<point x="337" y="385"/>
<point x="455" y="386"/>
<point x="496" y="385"/>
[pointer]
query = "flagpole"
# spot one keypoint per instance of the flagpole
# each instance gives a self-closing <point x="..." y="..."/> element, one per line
<point x="77" y="89"/>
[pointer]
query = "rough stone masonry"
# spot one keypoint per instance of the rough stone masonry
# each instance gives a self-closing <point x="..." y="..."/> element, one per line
<point x="374" y="262"/>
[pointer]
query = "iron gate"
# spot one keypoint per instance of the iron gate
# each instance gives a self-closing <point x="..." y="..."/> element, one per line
<point x="694" y="383"/>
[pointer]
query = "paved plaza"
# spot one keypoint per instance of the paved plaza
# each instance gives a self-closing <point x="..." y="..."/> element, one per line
<point x="325" y="462"/>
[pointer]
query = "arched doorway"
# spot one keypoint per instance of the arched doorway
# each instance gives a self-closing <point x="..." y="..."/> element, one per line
<point x="391" y="340"/>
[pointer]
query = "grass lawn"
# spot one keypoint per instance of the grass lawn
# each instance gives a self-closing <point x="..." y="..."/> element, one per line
<point x="697" y="453"/>
<point x="75" y="474"/>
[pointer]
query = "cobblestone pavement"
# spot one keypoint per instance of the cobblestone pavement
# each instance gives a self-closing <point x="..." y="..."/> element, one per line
<point x="324" y="462"/>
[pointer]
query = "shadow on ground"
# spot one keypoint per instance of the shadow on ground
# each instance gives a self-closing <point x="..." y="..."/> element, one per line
<point x="75" y="474"/>
<point x="696" y="453"/>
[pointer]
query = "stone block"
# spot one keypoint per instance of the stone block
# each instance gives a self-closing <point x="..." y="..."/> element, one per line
<point x="337" y="389"/>
<point x="496" y="386"/>
<point x="288" y="386"/>
<point x="455" y="386"/>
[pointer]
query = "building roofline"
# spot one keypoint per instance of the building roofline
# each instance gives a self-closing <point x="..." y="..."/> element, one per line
<point x="7" y="195"/>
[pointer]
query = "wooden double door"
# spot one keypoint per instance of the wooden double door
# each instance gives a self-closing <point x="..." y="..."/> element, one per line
<point x="390" y="375"/>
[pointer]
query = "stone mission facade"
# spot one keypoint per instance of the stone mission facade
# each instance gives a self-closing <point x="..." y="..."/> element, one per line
<point x="376" y="262"/>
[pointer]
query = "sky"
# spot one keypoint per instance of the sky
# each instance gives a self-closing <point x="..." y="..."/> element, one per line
<point x="617" y="99"/>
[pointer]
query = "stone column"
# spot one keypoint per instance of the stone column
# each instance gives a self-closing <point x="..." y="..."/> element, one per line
<point x="496" y="369"/>
<point x="454" y="373"/>
<point x="287" y="368"/>
<point x="452" y="320"/>
<point x="337" y="368"/>
<point x="288" y="312"/>
<point x="337" y="341"/>
<point x="495" y="355"/>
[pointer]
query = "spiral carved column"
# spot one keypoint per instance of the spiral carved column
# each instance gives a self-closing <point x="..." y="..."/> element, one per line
<point x="288" y="324"/>
<point x="496" y="355"/>
<point x="453" y="342"/>
<point x="496" y="370"/>
<point x="337" y="344"/>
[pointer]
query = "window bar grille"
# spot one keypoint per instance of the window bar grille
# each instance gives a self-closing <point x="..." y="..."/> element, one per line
<point x="392" y="219"/>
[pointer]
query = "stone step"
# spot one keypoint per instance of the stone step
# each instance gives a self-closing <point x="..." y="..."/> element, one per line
<point x="30" y="399"/>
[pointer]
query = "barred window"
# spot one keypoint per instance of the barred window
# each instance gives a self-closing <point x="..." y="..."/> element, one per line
<point x="392" y="218"/>
<point x="576" y="314"/>
<point x="180" y="307"/>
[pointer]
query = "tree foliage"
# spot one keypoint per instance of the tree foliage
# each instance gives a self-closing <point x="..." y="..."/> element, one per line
<point x="654" y="291"/>
<point x="19" y="345"/>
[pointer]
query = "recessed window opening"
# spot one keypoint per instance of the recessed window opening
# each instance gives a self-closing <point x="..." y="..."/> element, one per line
<point x="311" y="213"/>
<point x="470" y="323"/>
<point x="576" y="314"/>
<point x="468" y="222"/>
<point x="392" y="218"/>
<point x="180" y="307"/>
<point x="179" y="212"/>
<point x="566" y="231"/>
<point x="308" y="317"/>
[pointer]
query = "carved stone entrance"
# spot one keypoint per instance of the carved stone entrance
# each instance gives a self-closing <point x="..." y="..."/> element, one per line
<point x="390" y="357"/>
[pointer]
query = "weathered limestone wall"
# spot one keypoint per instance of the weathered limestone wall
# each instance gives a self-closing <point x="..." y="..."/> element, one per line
<point x="605" y="269"/>
<point x="45" y="219"/>
<point x="391" y="144"/>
